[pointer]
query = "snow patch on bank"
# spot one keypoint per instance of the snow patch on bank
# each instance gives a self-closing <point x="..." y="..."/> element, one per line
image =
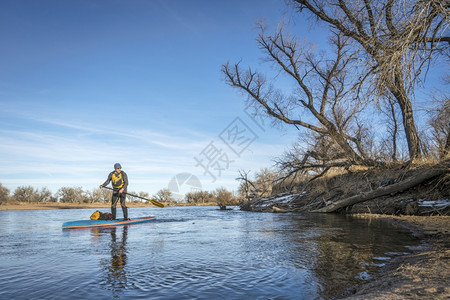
<point x="434" y="203"/>
<point x="281" y="199"/>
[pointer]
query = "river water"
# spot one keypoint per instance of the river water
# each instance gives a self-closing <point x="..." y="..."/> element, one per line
<point x="192" y="253"/>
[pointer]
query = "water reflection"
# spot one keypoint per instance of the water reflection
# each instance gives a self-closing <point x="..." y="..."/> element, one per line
<point x="115" y="265"/>
<point x="344" y="249"/>
<point x="117" y="276"/>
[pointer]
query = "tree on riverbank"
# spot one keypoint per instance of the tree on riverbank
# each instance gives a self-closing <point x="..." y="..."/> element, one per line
<point x="164" y="195"/>
<point x="395" y="39"/>
<point x="381" y="53"/>
<point x="30" y="194"/>
<point x="4" y="194"/>
<point x="224" y="197"/>
<point x="199" y="197"/>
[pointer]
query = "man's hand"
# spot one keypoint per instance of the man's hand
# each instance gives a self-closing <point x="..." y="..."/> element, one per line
<point x="121" y="191"/>
<point x="101" y="186"/>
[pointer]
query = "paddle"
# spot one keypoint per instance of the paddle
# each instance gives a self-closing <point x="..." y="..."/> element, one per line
<point x="154" y="202"/>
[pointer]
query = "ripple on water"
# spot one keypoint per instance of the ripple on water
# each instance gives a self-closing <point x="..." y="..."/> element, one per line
<point x="191" y="253"/>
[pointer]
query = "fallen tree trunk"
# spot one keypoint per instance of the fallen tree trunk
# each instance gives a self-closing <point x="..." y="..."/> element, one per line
<point x="383" y="191"/>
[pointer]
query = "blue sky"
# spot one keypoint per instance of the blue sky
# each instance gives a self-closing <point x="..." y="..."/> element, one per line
<point x="86" y="84"/>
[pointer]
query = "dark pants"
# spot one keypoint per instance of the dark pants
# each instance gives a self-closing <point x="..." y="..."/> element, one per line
<point x="115" y="198"/>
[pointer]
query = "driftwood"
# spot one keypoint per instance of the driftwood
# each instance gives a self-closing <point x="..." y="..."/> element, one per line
<point x="276" y="209"/>
<point x="385" y="190"/>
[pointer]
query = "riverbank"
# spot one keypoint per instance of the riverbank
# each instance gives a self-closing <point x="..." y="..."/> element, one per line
<point x="58" y="205"/>
<point x="425" y="274"/>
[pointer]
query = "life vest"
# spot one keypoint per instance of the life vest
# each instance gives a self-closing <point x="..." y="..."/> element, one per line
<point x="117" y="180"/>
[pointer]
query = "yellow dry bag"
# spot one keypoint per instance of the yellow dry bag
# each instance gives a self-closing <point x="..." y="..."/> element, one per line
<point x="95" y="215"/>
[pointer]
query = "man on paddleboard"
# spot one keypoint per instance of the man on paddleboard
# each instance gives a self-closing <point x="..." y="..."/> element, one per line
<point x="119" y="181"/>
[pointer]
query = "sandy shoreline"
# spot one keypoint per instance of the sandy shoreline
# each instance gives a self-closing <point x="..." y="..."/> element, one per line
<point x="422" y="275"/>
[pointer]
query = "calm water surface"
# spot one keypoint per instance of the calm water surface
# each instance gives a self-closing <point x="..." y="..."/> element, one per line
<point x="192" y="253"/>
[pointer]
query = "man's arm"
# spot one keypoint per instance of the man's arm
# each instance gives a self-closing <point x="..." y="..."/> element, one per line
<point x="125" y="181"/>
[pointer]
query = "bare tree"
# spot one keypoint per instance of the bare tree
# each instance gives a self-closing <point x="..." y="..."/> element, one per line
<point x="396" y="38"/>
<point x="26" y="194"/>
<point x="224" y="198"/>
<point x="45" y="195"/>
<point x="142" y="195"/>
<point x="198" y="197"/>
<point x="324" y="99"/>
<point x="4" y="194"/>
<point x="264" y="181"/>
<point x="260" y="186"/>
<point x="440" y="124"/>
<point x="164" y="195"/>
<point x="389" y="143"/>
<point x="97" y="195"/>
<point x="104" y="195"/>
<point x="246" y="185"/>
<point x="71" y="195"/>
<point x="311" y="155"/>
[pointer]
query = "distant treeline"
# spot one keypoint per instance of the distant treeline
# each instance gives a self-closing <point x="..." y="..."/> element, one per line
<point x="29" y="194"/>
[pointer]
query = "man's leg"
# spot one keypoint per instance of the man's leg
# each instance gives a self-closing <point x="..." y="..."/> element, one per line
<point x="114" y="200"/>
<point x="124" y="207"/>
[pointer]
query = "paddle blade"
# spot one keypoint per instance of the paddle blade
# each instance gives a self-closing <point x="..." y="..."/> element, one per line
<point x="154" y="202"/>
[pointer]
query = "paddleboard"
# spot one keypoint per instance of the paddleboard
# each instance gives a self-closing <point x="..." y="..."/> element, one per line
<point x="104" y="223"/>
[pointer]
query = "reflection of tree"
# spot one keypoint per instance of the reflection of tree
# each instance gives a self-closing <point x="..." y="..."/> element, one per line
<point x="342" y="254"/>
<point x="117" y="277"/>
<point x="339" y="264"/>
